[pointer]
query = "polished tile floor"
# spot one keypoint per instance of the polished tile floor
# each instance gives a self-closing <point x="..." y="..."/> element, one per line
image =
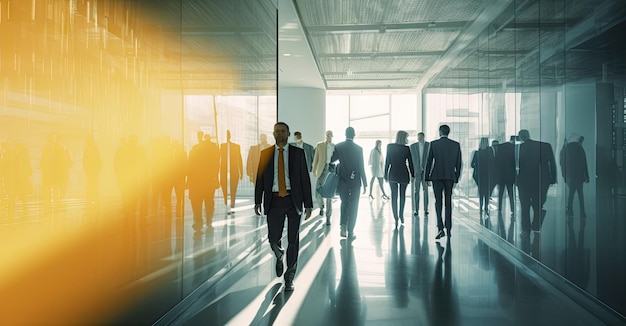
<point x="386" y="276"/>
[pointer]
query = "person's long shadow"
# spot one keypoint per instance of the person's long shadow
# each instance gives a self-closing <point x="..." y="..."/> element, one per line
<point x="278" y="299"/>
<point x="350" y="309"/>
<point x="445" y="304"/>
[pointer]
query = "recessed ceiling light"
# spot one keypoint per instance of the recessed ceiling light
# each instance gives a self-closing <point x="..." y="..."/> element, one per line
<point x="286" y="54"/>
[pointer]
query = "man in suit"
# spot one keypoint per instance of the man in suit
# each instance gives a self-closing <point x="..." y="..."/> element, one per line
<point x="321" y="164"/>
<point x="231" y="170"/>
<point x="309" y="151"/>
<point x="443" y="168"/>
<point x="351" y="171"/>
<point x="252" y="163"/>
<point x="419" y="155"/>
<point x="505" y="172"/>
<point x="203" y="179"/>
<point x="284" y="186"/>
<point x="537" y="171"/>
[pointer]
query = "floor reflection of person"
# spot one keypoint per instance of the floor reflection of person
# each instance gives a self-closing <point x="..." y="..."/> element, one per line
<point x="444" y="296"/>
<point x="231" y="170"/>
<point x="203" y="179"/>
<point x="396" y="277"/>
<point x="283" y="186"/>
<point x="575" y="172"/>
<point x="537" y="171"/>
<point x="252" y="162"/>
<point x="350" y="307"/>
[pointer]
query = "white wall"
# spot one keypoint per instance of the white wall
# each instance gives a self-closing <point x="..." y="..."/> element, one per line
<point x="304" y="110"/>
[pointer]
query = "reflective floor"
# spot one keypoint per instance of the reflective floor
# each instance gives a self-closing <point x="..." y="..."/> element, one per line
<point x="386" y="276"/>
<point x="225" y="274"/>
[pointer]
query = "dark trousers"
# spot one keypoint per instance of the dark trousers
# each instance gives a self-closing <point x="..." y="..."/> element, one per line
<point x="576" y="187"/>
<point x="197" y="198"/>
<point x="349" y="205"/>
<point x="443" y="194"/>
<point x="280" y="208"/>
<point x="509" y="190"/>
<point x="530" y="197"/>
<point x="398" y="199"/>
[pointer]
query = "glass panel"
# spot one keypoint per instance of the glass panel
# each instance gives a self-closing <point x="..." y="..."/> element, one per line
<point x="100" y="106"/>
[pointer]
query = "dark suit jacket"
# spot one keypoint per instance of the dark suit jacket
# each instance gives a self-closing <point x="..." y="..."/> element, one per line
<point x="574" y="164"/>
<point x="396" y="164"/>
<point x="537" y="165"/>
<point x="298" y="177"/>
<point x="235" y="162"/>
<point x="350" y="157"/>
<point x="309" y="152"/>
<point x="444" y="160"/>
<point x="505" y="163"/>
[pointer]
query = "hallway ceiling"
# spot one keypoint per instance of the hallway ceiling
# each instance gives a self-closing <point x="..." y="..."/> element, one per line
<point x="409" y="44"/>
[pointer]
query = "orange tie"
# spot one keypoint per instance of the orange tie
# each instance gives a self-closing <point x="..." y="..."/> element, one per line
<point x="282" y="186"/>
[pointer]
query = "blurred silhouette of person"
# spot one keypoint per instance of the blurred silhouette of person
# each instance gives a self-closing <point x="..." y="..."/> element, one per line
<point x="56" y="162"/>
<point x="252" y="162"/>
<point x="309" y="151"/>
<point x="202" y="179"/>
<point x="231" y="170"/>
<point x="351" y="173"/>
<point x="537" y="171"/>
<point x="575" y="172"/>
<point x="376" y="166"/>
<point x="576" y="256"/>
<point x="505" y="173"/>
<point x="321" y="165"/>
<point x="443" y="169"/>
<point x="16" y="173"/>
<point x="283" y="185"/>
<point x="397" y="173"/>
<point x="161" y="162"/>
<point x="482" y="163"/>
<point x="92" y="164"/>
<point x="179" y="175"/>
<point x="130" y="167"/>
<point x="419" y="154"/>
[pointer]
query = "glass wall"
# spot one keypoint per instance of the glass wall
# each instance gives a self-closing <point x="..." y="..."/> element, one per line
<point x="541" y="68"/>
<point x="101" y="103"/>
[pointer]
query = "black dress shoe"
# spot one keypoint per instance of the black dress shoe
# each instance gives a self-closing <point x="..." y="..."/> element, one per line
<point x="440" y="235"/>
<point x="449" y="234"/>
<point x="279" y="266"/>
<point x="289" y="286"/>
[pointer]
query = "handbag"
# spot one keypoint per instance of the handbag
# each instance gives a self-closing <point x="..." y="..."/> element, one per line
<point x="329" y="187"/>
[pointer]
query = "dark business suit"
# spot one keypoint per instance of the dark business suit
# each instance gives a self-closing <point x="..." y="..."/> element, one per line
<point x="230" y="166"/>
<point x="398" y="176"/>
<point x="505" y="173"/>
<point x="537" y="171"/>
<point x="443" y="168"/>
<point x="276" y="208"/>
<point x="575" y="172"/>
<point x="419" y="163"/>
<point x="351" y="171"/>
<point x="309" y="152"/>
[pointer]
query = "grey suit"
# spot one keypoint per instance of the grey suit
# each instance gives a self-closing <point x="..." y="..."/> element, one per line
<point x="419" y="163"/>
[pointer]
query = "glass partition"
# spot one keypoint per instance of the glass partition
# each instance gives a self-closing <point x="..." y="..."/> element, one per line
<point x="543" y="71"/>
<point x="101" y="103"/>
